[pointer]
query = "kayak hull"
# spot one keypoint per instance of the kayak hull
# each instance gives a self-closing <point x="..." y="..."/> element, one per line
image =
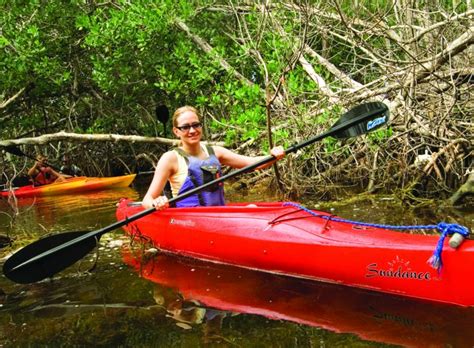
<point x="285" y="240"/>
<point x="72" y="185"/>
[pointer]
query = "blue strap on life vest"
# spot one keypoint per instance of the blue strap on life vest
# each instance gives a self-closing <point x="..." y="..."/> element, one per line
<point x="443" y="227"/>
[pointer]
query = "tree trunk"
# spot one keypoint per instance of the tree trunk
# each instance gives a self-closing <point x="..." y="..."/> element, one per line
<point x="466" y="189"/>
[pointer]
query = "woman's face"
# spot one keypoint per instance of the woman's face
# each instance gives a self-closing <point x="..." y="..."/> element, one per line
<point x="42" y="160"/>
<point x="189" y="128"/>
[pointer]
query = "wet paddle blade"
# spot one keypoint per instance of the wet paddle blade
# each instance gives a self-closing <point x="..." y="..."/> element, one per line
<point x="381" y="115"/>
<point x="23" y="268"/>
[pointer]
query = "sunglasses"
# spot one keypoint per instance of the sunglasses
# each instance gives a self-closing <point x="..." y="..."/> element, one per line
<point x="187" y="127"/>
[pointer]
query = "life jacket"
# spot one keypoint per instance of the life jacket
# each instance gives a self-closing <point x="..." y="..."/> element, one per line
<point x="43" y="177"/>
<point x="201" y="172"/>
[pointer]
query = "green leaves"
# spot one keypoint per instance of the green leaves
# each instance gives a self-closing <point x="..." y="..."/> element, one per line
<point x="121" y="59"/>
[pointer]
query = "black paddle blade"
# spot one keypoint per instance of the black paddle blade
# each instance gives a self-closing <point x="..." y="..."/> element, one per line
<point x="162" y="113"/>
<point x="23" y="268"/>
<point x="380" y="118"/>
<point x="14" y="150"/>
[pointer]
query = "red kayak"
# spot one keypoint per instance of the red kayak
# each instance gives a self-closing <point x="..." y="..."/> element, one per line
<point x="370" y="315"/>
<point x="71" y="185"/>
<point x="284" y="239"/>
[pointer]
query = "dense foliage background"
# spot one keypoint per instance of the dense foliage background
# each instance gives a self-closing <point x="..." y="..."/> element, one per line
<point x="259" y="72"/>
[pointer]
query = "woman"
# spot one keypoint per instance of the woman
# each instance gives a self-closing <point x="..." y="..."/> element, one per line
<point x="42" y="174"/>
<point x="193" y="164"/>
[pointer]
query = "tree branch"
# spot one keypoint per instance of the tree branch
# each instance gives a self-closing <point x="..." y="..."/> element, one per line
<point x="6" y="102"/>
<point x="209" y="50"/>
<point x="83" y="138"/>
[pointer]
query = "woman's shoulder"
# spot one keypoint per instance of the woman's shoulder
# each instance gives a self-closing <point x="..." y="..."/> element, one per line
<point x="170" y="155"/>
<point x="168" y="161"/>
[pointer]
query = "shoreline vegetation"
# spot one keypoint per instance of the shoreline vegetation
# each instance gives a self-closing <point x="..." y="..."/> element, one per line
<point x="97" y="81"/>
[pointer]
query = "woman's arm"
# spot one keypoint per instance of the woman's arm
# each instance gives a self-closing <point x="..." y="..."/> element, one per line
<point x="59" y="177"/>
<point x="237" y="161"/>
<point x="33" y="170"/>
<point x="167" y="166"/>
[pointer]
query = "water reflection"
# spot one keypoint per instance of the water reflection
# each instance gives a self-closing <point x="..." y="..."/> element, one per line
<point x="187" y="303"/>
<point x="41" y="215"/>
<point x="208" y="293"/>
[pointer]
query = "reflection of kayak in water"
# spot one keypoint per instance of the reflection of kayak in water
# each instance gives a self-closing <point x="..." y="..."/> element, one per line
<point x="369" y="315"/>
<point x="72" y="185"/>
<point x="85" y="203"/>
<point x="285" y="239"/>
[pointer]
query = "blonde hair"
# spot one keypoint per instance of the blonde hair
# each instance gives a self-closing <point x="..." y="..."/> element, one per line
<point x="181" y="111"/>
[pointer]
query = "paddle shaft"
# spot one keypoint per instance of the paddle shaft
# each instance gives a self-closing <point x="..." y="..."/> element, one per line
<point x="291" y="149"/>
<point x="234" y="173"/>
<point x="332" y="131"/>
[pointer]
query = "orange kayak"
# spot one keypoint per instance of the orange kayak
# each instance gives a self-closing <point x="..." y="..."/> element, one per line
<point x="72" y="185"/>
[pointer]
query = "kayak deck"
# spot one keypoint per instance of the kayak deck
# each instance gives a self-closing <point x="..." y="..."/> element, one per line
<point x="283" y="239"/>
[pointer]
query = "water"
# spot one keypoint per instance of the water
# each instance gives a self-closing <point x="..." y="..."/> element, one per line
<point x="103" y="301"/>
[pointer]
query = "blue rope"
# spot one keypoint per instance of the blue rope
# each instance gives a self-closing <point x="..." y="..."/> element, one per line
<point x="443" y="227"/>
